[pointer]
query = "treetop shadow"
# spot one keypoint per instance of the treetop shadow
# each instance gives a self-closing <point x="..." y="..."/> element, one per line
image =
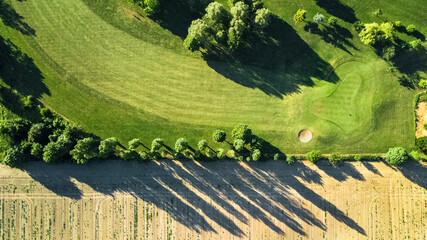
<point x="12" y="19"/>
<point x="337" y="9"/>
<point x="19" y="71"/>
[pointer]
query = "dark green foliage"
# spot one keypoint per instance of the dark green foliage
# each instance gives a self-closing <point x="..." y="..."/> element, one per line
<point x="14" y="157"/>
<point x="290" y="159"/>
<point x="156" y="144"/>
<point x="26" y="147"/>
<point x="416" y="44"/>
<point x="421" y="144"/>
<point x="107" y="147"/>
<point x="202" y="145"/>
<point x="37" y="150"/>
<point x="129" y="155"/>
<point x="219" y="136"/>
<point x="197" y="155"/>
<point x="74" y="133"/>
<point x="221" y="154"/>
<point x="314" y="156"/>
<point x="396" y="156"/>
<point x="358" y="158"/>
<point x="256" y="155"/>
<point x="39" y="133"/>
<point x="16" y="131"/>
<point x="239" y="145"/>
<point x="134" y="143"/>
<point x="85" y="150"/>
<point x="335" y="158"/>
<point x="187" y="154"/>
<point x="210" y="154"/>
<point x="242" y="131"/>
<point x="198" y="34"/>
<point x="57" y="151"/>
<point x="358" y="25"/>
<point x="181" y="145"/>
<point x="276" y="157"/>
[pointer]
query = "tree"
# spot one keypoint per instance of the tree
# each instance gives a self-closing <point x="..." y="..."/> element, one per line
<point x="151" y="6"/>
<point x="216" y="13"/>
<point x="422" y="83"/>
<point x="235" y="32"/>
<point x="37" y="150"/>
<point x="239" y="145"/>
<point x="202" y="145"/>
<point x="134" y="143"/>
<point x="332" y="21"/>
<point x="410" y="28"/>
<point x="13" y="157"/>
<point x="107" y="147"/>
<point x="396" y="156"/>
<point x="219" y="136"/>
<point x="242" y="131"/>
<point x="85" y="150"/>
<point x="318" y="18"/>
<point x="300" y="16"/>
<point x="262" y="18"/>
<point x="130" y="155"/>
<point x="156" y="144"/>
<point x="181" y="145"/>
<point x="290" y="159"/>
<point x="55" y="151"/>
<point x="221" y="153"/>
<point x="373" y="33"/>
<point x="276" y="157"/>
<point x="240" y="11"/>
<point x="39" y="133"/>
<point x="421" y="144"/>
<point x="198" y="34"/>
<point x="314" y="156"/>
<point x="256" y="155"/>
<point x="335" y="158"/>
<point x="415" y="44"/>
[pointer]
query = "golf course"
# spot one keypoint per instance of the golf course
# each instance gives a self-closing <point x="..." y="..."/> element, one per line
<point x="117" y="72"/>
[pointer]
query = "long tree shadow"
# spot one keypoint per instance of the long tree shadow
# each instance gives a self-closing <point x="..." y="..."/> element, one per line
<point x="277" y="62"/>
<point x="409" y="61"/>
<point x="336" y="8"/>
<point x="341" y="172"/>
<point x="18" y="70"/>
<point x="12" y="19"/>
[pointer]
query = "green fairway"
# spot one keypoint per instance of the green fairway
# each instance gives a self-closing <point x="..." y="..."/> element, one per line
<point x="118" y="73"/>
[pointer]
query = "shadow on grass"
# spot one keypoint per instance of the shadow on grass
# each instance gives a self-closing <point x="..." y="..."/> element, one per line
<point x="12" y="19"/>
<point x="410" y="61"/>
<point x="187" y="190"/>
<point x="277" y="63"/>
<point x="336" y="8"/>
<point x="18" y="70"/>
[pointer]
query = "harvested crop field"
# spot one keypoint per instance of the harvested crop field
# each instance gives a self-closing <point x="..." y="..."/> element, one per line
<point x="421" y="119"/>
<point x="217" y="200"/>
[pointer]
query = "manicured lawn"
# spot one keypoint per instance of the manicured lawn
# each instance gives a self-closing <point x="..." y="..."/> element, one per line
<point x="118" y="73"/>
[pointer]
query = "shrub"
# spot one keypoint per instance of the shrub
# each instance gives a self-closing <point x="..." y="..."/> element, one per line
<point x="396" y="156"/>
<point x="248" y="158"/>
<point x="107" y="147"/>
<point x="13" y="157"/>
<point x="219" y="136"/>
<point x="221" y="153"/>
<point x="197" y="155"/>
<point x="378" y="12"/>
<point x="332" y="21"/>
<point x="156" y="144"/>
<point x="210" y="154"/>
<point x="388" y="52"/>
<point x="187" y="154"/>
<point x="318" y="18"/>
<point x="151" y="6"/>
<point x="410" y="28"/>
<point x="422" y="83"/>
<point x="85" y="150"/>
<point x="240" y="158"/>
<point x="130" y="155"/>
<point x="134" y="144"/>
<point x="300" y="16"/>
<point x="39" y="133"/>
<point x="28" y="101"/>
<point x="276" y="157"/>
<point x="335" y="158"/>
<point x="314" y="156"/>
<point x="203" y="144"/>
<point x="37" y="150"/>
<point x="421" y="144"/>
<point x="415" y="155"/>
<point x="424" y="158"/>
<point x="242" y="131"/>
<point x="181" y="145"/>
<point x="416" y="44"/>
<point x="256" y="155"/>
<point x="358" y="158"/>
<point x="290" y="159"/>
<point x="398" y="24"/>
<point x="239" y="145"/>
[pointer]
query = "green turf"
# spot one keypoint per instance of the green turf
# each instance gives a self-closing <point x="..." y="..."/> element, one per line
<point x="120" y="74"/>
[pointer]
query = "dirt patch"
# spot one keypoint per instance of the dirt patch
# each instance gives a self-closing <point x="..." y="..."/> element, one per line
<point x="305" y="135"/>
<point x="421" y="120"/>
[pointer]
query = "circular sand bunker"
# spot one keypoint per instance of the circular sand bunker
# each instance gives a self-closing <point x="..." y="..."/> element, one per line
<point x="305" y="135"/>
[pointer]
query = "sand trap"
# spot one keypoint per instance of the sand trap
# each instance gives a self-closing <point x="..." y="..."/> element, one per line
<point x="305" y="135"/>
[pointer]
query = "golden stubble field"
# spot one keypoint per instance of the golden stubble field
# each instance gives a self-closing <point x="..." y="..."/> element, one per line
<point x="213" y="200"/>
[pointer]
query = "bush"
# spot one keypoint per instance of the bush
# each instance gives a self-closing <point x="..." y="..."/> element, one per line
<point x="410" y="28"/>
<point x="335" y="158"/>
<point x="415" y="155"/>
<point x="134" y="144"/>
<point x="424" y="158"/>
<point x="221" y="153"/>
<point x="422" y="83"/>
<point x="290" y="159"/>
<point x="210" y="154"/>
<point x="318" y="18"/>
<point x="358" y="26"/>
<point x="300" y="16"/>
<point x="242" y="131"/>
<point x="13" y="157"/>
<point x="276" y="157"/>
<point x="398" y="24"/>
<point x="151" y="6"/>
<point x="219" y="136"/>
<point x="421" y="144"/>
<point x="202" y="145"/>
<point x="130" y="155"/>
<point x="256" y="155"/>
<point x="156" y="144"/>
<point x="358" y="158"/>
<point x="181" y="145"/>
<point x="37" y="150"/>
<point x="314" y="156"/>
<point x="396" y="156"/>
<point x="239" y="145"/>
<point x="28" y="101"/>
<point x="415" y="45"/>
<point x="332" y="21"/>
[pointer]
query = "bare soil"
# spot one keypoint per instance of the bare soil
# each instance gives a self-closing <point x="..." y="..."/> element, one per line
<point x="214" y="200"/>
<point x="421" y="119"/>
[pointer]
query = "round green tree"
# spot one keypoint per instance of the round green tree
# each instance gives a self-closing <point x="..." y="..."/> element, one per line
<point x="219" y="136"/>
<point x="202" y="145"/>
<point x="134" y="144"/>
<point x="85" y="150"/>
<point x="107" y="147"/>
<point x="156" y="144"/>
<point x="242" y="131"/>
<point x="256" y="155"/>
<point x="239" y="145"/>
<point x="181" y="145"/>
<point x="13" y="157"/>
<point x="396" y="156"/>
